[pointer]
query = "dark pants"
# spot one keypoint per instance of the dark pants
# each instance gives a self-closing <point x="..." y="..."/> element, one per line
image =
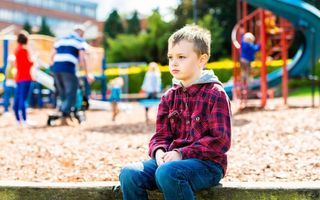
<point x="66" y="85"/>
<point x="20" y="99"/>
<point x="7" y="94"/>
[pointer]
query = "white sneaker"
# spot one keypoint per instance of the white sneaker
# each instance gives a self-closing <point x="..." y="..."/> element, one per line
<point x="29" y="123"/>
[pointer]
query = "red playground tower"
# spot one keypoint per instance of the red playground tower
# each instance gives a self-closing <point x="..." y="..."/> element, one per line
<point x="274" y="34"/>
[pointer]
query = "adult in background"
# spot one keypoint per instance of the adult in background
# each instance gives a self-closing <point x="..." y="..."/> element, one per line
<point x="68" y="53"/>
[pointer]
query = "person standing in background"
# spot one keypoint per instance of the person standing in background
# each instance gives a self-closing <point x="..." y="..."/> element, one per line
<point x="68" y="52"/>
<point x="151" y="84"/>
<point x="115" y="96"/>
<point x="10" y="83"/>
<point x="23" y="78"/>
<point x="152" y="81"/>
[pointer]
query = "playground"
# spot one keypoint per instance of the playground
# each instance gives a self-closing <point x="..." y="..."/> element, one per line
<point x="275" y="137"/>
<point x="274" y="145"/>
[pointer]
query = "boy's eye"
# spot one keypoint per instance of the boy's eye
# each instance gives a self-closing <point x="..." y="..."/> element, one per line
<point x="182" y="57"/>
<point x="169" y="57"/>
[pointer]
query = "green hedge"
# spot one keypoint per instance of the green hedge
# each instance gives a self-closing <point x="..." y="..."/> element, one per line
<point x="224" y="74"/>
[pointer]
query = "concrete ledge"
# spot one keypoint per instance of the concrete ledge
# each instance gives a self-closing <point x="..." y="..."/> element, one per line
<point x="16" y="190"/>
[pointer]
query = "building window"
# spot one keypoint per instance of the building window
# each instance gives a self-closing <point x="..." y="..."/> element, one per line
<point x="6" y="15"/>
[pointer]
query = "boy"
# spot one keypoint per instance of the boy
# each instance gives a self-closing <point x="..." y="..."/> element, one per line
<point x="193" y="127"/>
<point x="247" y="55"/>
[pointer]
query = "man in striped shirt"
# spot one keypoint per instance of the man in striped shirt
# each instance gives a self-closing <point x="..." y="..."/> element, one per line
<point x="69" y="52"/>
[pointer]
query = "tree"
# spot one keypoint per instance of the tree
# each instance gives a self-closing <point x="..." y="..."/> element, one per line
<point x="126" y="48"/>
<point x="134" y="24"/>
<point x="158" y="33"/>
<point x="183" y="12"/>
<point x="146" y="46"/>
<point x="44" y="28"/>
<point x="27" y="27"/>
<point x="113" y="25"/>
<point x="210" y="23"/>
<point x="224" y="12"/>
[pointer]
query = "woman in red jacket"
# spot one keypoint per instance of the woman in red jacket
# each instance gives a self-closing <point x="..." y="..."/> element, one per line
<point x="23" y="78"/>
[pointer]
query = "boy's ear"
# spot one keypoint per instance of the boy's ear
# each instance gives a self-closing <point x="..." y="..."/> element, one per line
<point x="204" y="59"/>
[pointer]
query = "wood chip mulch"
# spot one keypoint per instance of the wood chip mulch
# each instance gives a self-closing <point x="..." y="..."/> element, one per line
<point x="280" y="144"/>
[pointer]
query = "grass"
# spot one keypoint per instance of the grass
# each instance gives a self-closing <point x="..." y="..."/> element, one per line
<point x="303" y="91"/>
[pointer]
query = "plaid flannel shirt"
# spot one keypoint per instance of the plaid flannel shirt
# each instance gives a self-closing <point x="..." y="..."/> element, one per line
<point x="195" y="121"/>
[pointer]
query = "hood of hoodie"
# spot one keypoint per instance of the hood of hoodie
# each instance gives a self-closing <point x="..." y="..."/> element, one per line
<point x="207" y="76"/>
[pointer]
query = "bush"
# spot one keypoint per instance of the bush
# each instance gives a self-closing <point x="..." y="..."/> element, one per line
<point x="134" y="75"/>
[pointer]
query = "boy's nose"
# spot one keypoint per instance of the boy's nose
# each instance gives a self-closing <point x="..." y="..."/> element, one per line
<point x="174" y="62"/>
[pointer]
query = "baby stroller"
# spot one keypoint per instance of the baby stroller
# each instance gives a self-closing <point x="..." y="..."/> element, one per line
<point x="82" y="104"/>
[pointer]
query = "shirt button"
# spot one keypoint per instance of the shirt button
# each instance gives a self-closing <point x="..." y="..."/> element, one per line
<point x="171" y="120"/>
<point x="197" y="118"/>
<point x="184" y="89"/>
<point x="188" y="122"/>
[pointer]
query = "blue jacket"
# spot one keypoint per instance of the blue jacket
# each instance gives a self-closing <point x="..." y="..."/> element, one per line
<point x="248" y="50"/>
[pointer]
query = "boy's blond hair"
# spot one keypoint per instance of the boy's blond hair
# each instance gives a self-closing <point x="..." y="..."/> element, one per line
<point x="249" y="37"/>
<point x="200" y="37"/>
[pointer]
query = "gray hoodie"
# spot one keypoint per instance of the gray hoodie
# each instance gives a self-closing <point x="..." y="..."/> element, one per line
<point x="207" y="76"/>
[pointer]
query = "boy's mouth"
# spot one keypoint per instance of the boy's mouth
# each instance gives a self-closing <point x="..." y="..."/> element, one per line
<point x="174" y="71"/>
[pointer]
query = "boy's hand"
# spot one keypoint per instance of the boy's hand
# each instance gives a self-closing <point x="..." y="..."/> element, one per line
<point x="159" y="156"/>
<point x="171" y="156"/>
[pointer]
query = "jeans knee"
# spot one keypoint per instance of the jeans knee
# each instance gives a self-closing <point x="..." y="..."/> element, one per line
<point x="165" y="176"/>
<point x="130" y="174"/>
<point x="126" y="173"/>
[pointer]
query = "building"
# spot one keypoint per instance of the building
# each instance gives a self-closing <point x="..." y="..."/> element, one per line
<point x="61" y="15"/>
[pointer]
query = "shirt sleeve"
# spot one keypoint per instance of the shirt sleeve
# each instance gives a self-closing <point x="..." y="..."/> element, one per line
<point x="84" y="46"/>
<point x="217" y="142"/>
<point x="27" y="56"/>
<point x="255" y="47"/>
<point x="163" y="137"/>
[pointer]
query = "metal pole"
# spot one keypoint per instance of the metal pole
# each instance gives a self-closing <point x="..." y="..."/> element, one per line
<point x="244" y="15"/>
<point x="263" y="70"/>
<point x="313" y="65"/>
<point x="284" y="59"/>
<point x="195" y="14"/>
<point x="104" y="79"/>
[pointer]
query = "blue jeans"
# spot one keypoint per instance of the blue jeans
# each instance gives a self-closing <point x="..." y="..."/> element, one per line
<point x="177" y="179"/>
<point x="20" y="99"/>
<point x="66" y="85"/>
<point x="7" y="94"/>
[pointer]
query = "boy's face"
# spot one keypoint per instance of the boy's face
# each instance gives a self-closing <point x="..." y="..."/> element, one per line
<point x="249" y="40"/>
<point x="184" y="64"/>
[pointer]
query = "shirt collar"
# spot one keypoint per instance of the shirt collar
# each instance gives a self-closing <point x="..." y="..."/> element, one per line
<point x="191" y="90"/>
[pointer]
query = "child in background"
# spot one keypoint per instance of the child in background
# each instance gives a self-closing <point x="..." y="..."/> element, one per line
<point x="247" y="55"/>
<point x="115" y="96"/>
<point x="270" y="22"/>
<point x="193" y="127"/>
<point x="10" y="83"/>
<point x="152" y="84"/>
<point x="23" y="78"/>
<point x="152" y="81"/>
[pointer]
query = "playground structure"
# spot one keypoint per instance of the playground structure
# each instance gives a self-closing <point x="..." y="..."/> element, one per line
<point x="302" y="16"/>
<point x="41" y="46"/>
